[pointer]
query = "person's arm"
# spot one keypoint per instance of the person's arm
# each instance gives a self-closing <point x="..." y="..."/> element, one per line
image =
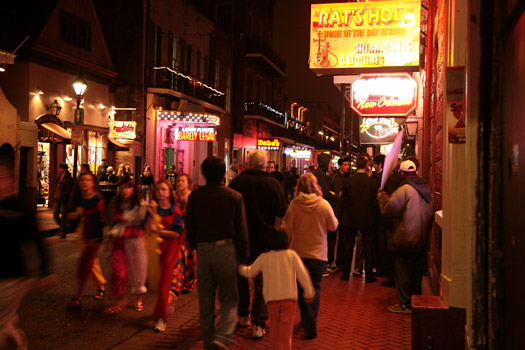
<point x="240" y="236"/>
<point x="331" y="220"/>
<point x="288" y="222"/>
<point x="394" y="205"/>
<point x="190" y="222"/>
<point x="254" y="269"/>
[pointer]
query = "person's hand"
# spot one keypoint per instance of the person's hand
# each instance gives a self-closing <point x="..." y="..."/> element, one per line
<point x="309" y="300"/>
<point x="381" y="193"/>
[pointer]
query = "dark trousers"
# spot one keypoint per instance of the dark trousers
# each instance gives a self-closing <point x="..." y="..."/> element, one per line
<point x="332" y="237"/>
<point x="385" y="261"/>
<point x="348" y="235"/>
<point x="259" y="311"/>
<point x="310" y="311"/>
<point x="408" y="278"/>
<point x="60" y="215"/>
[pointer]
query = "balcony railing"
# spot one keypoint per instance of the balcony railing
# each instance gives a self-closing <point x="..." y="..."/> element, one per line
<point x="166" y="79"/>
<point x="260" y="109"/>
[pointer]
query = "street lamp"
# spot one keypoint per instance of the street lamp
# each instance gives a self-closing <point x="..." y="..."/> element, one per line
<point x="411" y="127"/>
<point x="80" y="86"/>
<point x="54" y="108"/>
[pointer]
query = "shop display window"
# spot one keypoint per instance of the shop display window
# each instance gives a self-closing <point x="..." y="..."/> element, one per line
<point x="43" y="173"/>
<point x="96" y="149"/>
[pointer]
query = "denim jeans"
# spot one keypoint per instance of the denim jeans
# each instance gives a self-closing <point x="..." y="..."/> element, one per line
<point x="146" y="190"/>
<point x="60" y="215"/>
<point x="259" y="310"/>
<point x="309" y="311"/>
<point x="217" y="270"/>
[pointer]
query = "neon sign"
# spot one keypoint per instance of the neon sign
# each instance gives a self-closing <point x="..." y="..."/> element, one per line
<point x="380" y="129"/>
<point x="269" y="144"/>
<point x="123" y="130"/>
<point x="365" y="34"/>
<point x="195" y="134"/>
<point x="298" y="153"/>
<point x="384" y="95"/>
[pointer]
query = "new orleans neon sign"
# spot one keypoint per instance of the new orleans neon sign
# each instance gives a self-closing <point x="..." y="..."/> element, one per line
<point x="384" y="95"/>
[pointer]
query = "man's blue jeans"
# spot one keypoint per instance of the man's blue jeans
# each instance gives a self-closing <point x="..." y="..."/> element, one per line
<point x="309" y="311"/>
<point x="217" y="270"/>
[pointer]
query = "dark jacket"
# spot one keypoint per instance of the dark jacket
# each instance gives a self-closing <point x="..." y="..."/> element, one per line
<point x="336" y="185"/>
<point x="358" y="202"/>
<point x="412" y="209"/>
<point x="264" y="201"/>
<point x="214" y="213"/>
<point x="323" y="160"/>
<point x="64" y="188"/>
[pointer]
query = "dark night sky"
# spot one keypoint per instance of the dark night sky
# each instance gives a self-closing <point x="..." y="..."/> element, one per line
<point x="291" y="41"/>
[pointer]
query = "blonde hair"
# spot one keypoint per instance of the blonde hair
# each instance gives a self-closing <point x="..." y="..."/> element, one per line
<point x="307" y="183"/>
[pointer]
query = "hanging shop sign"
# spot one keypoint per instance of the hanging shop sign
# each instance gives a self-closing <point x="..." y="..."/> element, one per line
<point x="195" y="134"/>
<point x="384" y="95"/>
<point x="123" y="130"/>
<point x="298" y="153"/>
<point x="455" y="111"/>
<point x="378" y="130"/>
<point x="269" y="144"/>
<point x="356" y="35"/>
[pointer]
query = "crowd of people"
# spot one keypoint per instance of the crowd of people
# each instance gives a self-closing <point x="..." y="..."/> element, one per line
<point x="283" y="231"/>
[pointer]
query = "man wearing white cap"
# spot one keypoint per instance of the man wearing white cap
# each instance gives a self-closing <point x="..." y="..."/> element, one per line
<point x="412" y="209"/>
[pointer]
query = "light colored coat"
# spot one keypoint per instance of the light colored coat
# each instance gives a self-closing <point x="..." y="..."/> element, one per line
<point x="307" y="221"/>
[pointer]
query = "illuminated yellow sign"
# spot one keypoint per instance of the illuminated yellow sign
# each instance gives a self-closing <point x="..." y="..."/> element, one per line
<point x="365" y="34"/>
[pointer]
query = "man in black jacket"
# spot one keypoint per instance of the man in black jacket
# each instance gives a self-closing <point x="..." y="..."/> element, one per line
<point x="264" y="200"/>
<point x="63" y="191"/>
<point x="359" y="211"/>
<point x="323" y="161"/>
<point x="216" y="226"/>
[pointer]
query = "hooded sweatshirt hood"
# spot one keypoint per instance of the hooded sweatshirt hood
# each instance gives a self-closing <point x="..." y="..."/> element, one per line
<point x="308" y="201"/>
<point x="421" y="186"/>
<point x="323" y="160"/>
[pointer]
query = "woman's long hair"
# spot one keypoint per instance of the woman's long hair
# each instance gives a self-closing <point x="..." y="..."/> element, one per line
<point x="307" y="183"/>
<point x="134" y="200"/>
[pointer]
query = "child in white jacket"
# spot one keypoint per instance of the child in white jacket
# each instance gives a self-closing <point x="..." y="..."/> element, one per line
<point x="281" y="268"/>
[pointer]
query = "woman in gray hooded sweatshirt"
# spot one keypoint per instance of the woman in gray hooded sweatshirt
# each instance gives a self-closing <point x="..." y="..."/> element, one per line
<point x="307" y="221"/>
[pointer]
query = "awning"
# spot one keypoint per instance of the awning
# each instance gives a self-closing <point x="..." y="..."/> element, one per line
<point x="119" y="145"/>
<point x="57" y="129"/>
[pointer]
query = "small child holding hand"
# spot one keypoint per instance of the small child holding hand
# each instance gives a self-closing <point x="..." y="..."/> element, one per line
<point x="281" y="268"/>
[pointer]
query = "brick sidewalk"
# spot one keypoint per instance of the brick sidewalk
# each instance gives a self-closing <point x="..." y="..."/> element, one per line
<point x="352" y="316"/>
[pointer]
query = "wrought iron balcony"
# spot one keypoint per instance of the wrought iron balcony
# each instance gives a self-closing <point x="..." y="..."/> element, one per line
<point x="256" y="109"/>
<point x="164" y="78"/>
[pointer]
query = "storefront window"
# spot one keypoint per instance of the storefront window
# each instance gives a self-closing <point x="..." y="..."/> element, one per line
<point x="96" y="149"/>
<point x="43" y="173"/>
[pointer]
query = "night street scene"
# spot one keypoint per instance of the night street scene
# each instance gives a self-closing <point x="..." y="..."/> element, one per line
<point x="262" y="174"/>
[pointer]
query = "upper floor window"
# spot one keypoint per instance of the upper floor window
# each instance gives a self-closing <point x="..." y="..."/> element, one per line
<point x="75" y="31"/>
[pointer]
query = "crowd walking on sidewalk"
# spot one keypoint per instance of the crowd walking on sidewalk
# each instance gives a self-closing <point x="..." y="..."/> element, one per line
<point x="248" y="231"/>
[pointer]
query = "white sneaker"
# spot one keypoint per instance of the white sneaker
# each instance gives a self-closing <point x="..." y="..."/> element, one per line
<point x="244" y="322"/>
<point x="161" y="325"/>
<point x="258" y="332"/>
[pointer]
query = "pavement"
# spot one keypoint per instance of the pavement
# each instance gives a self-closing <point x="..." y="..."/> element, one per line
<point x="352" y="316"/>
<point x="46" y="223"/>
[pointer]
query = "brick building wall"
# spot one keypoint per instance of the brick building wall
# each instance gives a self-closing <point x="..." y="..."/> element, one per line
<point x="436" y="139"/>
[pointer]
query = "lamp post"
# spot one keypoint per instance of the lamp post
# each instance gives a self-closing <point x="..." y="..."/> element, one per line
<point x="80" y="86"/>
<point x="411" y="127"/>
